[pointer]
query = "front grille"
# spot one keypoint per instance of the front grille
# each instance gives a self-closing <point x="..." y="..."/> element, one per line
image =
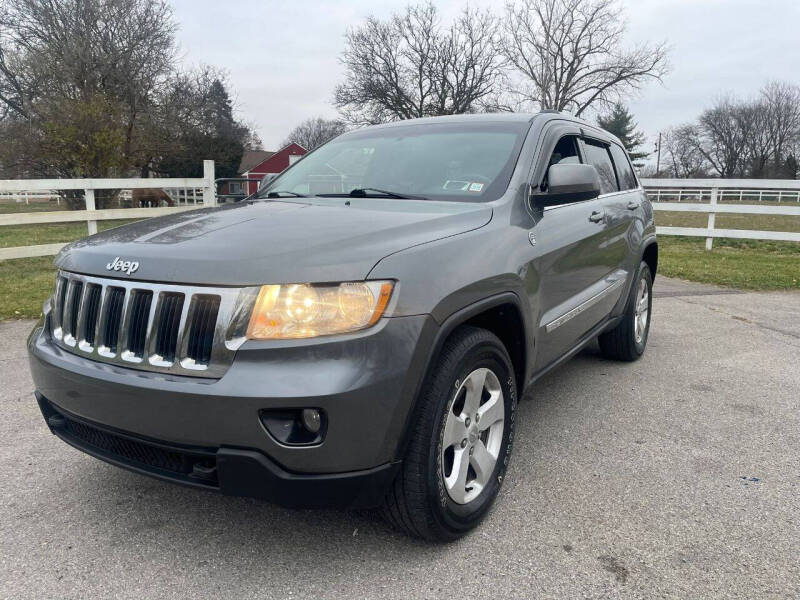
<point x="155" y="327"/>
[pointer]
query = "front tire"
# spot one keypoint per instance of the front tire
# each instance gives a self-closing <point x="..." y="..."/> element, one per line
<point x="460" y="442"/>
<point x="628" y="340"/>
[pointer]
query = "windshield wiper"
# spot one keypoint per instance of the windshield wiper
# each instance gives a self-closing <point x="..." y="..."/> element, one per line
<point x="277" y="194"/>
<point x="364" y="193"/>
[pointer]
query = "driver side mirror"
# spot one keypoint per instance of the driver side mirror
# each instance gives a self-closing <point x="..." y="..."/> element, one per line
<point x="568" y="183"/>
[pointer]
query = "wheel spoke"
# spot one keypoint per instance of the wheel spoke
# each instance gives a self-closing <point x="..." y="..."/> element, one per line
<point x="474" y="385"/>
<point x="491" y="412"/>
<point x="457" y="481"/>
<point x="454" y="431"/>
<point x="483" y="463"/>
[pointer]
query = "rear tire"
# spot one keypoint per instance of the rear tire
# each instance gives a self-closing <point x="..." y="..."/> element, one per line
<point x="446" y="486"/>
<point x="628" y="340"/>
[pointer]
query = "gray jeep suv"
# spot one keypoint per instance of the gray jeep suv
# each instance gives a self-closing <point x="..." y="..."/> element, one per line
<point x="358" y="332"/>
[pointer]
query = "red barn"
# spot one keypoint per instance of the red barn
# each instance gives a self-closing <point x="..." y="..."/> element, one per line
<point x="257" y="163"/>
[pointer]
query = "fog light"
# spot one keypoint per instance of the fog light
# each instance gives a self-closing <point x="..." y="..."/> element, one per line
<point x="312" y="420"/>
<point x="295" y="426"/>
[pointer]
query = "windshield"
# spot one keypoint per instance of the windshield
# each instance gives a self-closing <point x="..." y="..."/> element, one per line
<point x="436" y="161"/>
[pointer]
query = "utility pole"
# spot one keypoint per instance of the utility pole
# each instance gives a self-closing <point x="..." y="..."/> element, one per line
<point x="658" y="155"/>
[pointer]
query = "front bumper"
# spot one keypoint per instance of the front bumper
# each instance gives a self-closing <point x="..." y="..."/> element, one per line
<point x="232" y="471"/>
<point x="365" y="383"/>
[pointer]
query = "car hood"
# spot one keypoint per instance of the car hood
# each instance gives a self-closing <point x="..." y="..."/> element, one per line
<point x="282" y="241"/>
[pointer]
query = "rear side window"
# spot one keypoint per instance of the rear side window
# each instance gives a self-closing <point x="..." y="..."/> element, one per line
<point x="627" y="180"/>
<point x="598" y="156"/>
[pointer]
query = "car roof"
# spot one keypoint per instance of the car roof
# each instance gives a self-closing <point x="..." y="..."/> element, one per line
<point x="498" y="117"/>
<point x="503" y="117"/>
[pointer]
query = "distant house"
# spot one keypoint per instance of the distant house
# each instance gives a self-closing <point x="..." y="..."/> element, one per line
<point x="256" y="164"/>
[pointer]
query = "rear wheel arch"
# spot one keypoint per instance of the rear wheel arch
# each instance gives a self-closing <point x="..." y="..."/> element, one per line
<point x="650" y="256"/>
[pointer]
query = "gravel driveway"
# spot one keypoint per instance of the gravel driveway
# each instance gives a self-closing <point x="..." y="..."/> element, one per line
<point x="677" y="476"/>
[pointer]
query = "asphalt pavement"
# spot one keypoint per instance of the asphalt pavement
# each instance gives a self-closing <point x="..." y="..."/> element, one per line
<point x="677" y="476"/>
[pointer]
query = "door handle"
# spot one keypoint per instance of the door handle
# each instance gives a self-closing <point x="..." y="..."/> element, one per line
<point x="632" y="205"/>
<point x="596" y="216"/>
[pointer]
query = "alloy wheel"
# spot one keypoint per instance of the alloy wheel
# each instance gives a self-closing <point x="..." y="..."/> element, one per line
<point x="642" y="310"/>
<point x="473" y="435"/>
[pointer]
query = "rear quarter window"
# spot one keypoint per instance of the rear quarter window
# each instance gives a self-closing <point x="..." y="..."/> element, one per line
<point x="627" y="179"/>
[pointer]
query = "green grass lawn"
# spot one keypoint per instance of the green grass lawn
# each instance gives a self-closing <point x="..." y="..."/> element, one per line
<point x="25" y="283"/>
<point x="50" y="233"/>
<point x="9" y="206"/>
<point x="729" y="221"/>
<point x="745" y="264"/>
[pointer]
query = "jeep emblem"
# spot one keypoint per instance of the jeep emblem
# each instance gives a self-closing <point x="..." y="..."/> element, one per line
<point x="126" y="266"/>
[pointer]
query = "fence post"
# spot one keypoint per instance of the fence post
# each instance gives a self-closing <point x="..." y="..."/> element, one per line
<point x="89" y="195"/>
<point x="209" y="191"/>
<point x="711" y="217"/>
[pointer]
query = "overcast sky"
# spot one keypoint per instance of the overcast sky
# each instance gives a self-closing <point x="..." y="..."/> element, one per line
<point x="282" y="55"/>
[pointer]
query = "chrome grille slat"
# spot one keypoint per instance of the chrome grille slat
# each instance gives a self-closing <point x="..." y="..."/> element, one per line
<point x="143" y="325"/>
<point x="70" y="313"/>
<point x="58" y="309"/>
<point x="164" y="342"/>
<point x="93" y="301"/>
<point x="138" y="313"/>
<point x="86" y="318"/>
<point x="110" y="320"/>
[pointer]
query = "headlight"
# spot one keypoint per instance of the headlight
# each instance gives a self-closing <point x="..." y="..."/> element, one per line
<point x="301" y="310"/>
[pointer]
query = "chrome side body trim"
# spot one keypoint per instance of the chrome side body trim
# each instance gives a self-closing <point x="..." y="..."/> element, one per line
<point x="556" y="323"/>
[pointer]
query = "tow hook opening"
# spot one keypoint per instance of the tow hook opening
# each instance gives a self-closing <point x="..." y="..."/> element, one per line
<point x="56" y="421"/>
<point x="205" y="470"/>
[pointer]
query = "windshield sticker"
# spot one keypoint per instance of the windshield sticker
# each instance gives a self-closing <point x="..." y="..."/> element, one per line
<point x="475" y="187"/>
<point x="456" y="186"/>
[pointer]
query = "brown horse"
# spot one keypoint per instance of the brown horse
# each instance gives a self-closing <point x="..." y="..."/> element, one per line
<point x="150" y="197"/>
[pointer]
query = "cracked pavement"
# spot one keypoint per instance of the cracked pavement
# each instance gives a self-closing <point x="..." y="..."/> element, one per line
<point x="676" y="476"/>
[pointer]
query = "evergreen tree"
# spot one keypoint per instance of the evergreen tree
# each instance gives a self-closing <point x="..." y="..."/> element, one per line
<point x="198" y="123"/>
<point x="790" y="168"/>
<point x="620" y="122"/>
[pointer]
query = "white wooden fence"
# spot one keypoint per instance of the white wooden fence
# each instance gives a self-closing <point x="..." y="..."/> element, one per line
<point x="91" y="215"/>
<point x="671" y="195"/>
<point x="709" y="196"/>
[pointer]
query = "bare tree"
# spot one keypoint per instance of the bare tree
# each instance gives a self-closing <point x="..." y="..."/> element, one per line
<point x="61" y="55"/>
<point x="682" y="153"/>
<point x="753" y="121"/>
<point x="314" y="132"/>
<point x="782" y="105"/>
<point x="411" y="66"/>
<point x="722" y="138"/>
<point x="568" y="55"/>
<point x="756" y="138"/>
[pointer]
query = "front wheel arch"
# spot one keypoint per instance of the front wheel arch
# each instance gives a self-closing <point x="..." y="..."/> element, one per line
<point x="472" y="312"/>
